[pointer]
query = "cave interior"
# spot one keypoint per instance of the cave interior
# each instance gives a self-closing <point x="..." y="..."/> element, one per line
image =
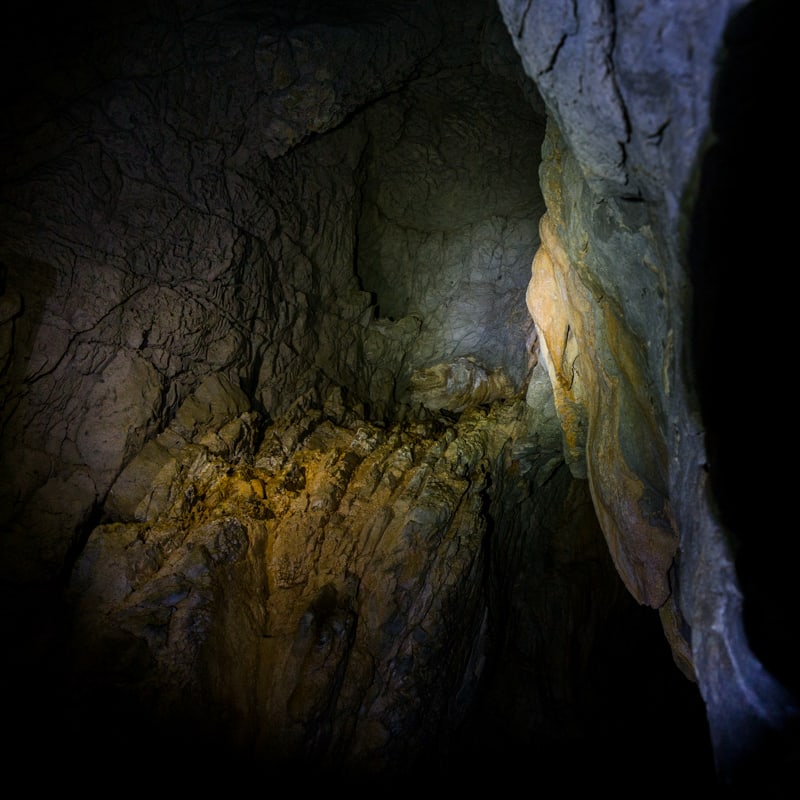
<point x="286" y="491"/>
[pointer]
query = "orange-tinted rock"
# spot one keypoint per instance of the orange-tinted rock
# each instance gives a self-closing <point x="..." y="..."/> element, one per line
<point x="595" y="370"/>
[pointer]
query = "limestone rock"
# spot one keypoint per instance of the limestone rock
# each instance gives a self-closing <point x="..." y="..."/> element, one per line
<point x="228" y="216"/>
<point x="352" y="602"/>
<point x="286" y="595"/>
<point x="627" y="306"/>
<point x="459" y="385"/>
<point x="236" y="237"/>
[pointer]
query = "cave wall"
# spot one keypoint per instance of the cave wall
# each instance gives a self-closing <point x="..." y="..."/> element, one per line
<point x="327" y="601"/>
<point x="236" y="525"/>
<point x="210" y="217"/>
<point x="171" y="210"/>
<point x="632" y="327"/>
<point x="435" y="244"/>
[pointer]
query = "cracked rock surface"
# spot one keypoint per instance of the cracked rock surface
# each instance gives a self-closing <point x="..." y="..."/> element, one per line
<point x="330" y="597"/>
<point x="244" y="189"/>
<point x="653" y="109"/>
<point x="369" y="398"/>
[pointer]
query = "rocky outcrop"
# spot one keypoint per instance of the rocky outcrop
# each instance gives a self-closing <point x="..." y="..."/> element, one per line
<point x="612" y="422"/>
<point x="328" y="596"/>
<point x="316" y="598"/>
<point x="458" y="386"/>
<point x="625" y="313"/>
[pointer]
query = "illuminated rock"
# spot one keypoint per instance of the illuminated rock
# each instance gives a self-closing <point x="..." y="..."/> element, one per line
<point x="326" y="598"/>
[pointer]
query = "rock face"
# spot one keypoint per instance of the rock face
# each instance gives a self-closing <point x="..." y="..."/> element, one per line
<point x="304" y="467"/>
<point x="630" y="300"/>
<point x="315" y="595"/>
<point x="349" y="601"/>
<point x="189" y="234"/>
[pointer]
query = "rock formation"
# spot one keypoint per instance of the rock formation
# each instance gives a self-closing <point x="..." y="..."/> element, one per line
<point x="630" y="294"/>
<point x="365" y="374"/>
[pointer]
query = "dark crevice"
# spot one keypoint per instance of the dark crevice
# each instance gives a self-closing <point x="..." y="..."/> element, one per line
<point x="740" y="235"/>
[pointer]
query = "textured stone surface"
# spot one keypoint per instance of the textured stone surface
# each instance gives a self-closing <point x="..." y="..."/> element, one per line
<point x="428" y="249"/>
<point x="263" y="349"/>
<point x="285" y="591"/>
<point x="188" y="192"/>
<point x="630" y="89"/>
<point x="597" y="366"/>
<point x="352" y="600"/>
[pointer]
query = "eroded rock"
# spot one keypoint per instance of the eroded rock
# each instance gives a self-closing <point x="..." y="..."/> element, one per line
<point x="326" y="606"/>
